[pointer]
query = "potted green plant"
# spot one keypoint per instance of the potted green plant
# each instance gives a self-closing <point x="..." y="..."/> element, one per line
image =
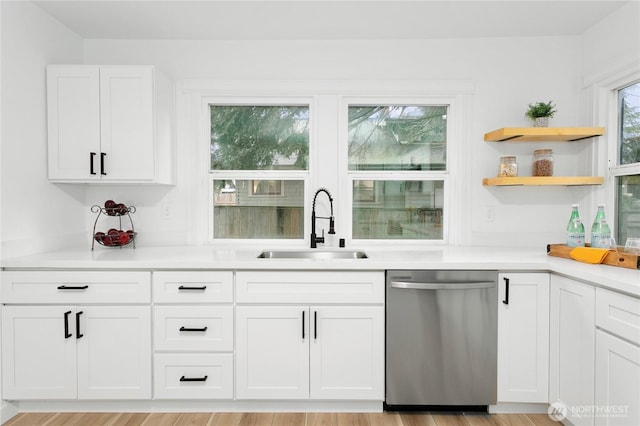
<point x="540" y="112"/>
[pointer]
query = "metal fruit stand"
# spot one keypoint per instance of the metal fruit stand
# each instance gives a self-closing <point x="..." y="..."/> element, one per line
<point x="114" y="237"/>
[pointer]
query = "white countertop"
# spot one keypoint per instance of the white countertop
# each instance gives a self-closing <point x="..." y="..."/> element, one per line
<point x="439" y="257"/>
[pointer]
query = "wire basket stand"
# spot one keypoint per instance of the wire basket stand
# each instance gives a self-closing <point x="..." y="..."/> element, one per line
<point x="116" y="237"/>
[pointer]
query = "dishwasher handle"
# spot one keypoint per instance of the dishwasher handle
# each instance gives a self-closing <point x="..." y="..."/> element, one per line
<point x="444" y="285"/>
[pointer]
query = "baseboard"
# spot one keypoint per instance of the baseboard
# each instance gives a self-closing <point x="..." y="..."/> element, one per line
<point x="159" y="406"/>
<point x="7" y="411"/>
<point x="516" y="407"/>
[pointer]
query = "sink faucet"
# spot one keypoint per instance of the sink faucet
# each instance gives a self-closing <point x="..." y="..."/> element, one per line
<point x="315" y="239"/>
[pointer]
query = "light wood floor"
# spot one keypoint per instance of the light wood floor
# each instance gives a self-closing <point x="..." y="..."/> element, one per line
<point x="278" y="419"/>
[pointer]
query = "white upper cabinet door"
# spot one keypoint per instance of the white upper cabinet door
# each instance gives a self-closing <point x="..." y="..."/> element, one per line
<point x="73" y="105"/>
<point x="102" y="124"/>
<point x="347" y="347"/>
<point x="523" y="337"/>
<point x="38" y="352"/>
<point x="114" y="352"/>
<point x="127" y="126"/>
<point x="272" y="352"/>
<point x="572" y="346"/>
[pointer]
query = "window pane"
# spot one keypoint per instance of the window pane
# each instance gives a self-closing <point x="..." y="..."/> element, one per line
<point x="630" y="124"/>
<point x="259" y="137"/>
<point x="397" y="137"/>
<point x="628" y="208"/>
<point x="258" y="209"/>
<point x="396" y="209"/>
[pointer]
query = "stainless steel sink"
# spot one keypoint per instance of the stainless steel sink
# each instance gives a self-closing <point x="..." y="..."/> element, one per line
<point x="312" y="254"/>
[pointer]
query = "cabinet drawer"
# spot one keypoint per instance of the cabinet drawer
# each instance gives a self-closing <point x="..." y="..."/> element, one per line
<point x="618" y="314"/>
<point x="193" y="287"/>
<point x="75" y="287"/>
<point x="193" y="328"/>
<point x="309" y="287"/>
<point x="193" y="376"/>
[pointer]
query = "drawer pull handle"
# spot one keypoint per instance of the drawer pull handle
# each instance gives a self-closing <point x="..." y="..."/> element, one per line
<point x="184" y="287"/>
<point x="91" y="156"/>
<point x="506" y="291"/>
<point x="193" y="379"/>
<point x="73" y="287"/>
<point x="203" y="329"/>
<point x="78" y="334"/>
<point x="102" y="155"/>
<point x="66" y="325"/>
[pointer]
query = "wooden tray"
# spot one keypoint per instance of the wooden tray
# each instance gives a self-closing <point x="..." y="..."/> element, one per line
<point x="615" y="258"/>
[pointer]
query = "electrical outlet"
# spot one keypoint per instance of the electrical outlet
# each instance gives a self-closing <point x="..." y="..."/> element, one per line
<point x="166" y="211"/>
<point x="490" y="213"/>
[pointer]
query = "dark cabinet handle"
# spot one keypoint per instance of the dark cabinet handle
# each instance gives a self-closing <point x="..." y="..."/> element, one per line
<point x="193" y="379"/>
<point x="78" y="334"/>
<point x="102" y="155"/>
<point x="72" y="287"/>
<point x="203" y="329"/>
<point x="315" y="325"/>
<point x="66" y="325"/>
<point x="91" y="156"/>
<point x="506" y="291"/>
<point x="302" y="325"/>
<point x="184" y="287"/>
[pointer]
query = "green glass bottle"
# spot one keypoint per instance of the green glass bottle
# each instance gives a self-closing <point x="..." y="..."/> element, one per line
<point x="575" y="229"/>
<point x="600" y="231"/>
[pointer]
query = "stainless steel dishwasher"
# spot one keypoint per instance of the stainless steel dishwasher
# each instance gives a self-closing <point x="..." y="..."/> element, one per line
<point x="441" y="340"/>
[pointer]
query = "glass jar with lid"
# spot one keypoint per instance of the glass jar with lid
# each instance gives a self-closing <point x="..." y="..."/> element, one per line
<point x="508" y="166"/>
<point x="543" y="162"/>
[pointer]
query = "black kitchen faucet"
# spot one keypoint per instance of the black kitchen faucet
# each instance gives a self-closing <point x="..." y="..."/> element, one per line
<point x="314" y="239"/>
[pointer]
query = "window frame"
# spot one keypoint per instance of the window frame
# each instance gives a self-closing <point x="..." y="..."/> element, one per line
<point x="451" y="165"/>
<point x="615" y="169"/>
<point x="280" y="175"/>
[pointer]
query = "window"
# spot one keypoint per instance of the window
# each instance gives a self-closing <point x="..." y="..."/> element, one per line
<point x="397" y="165"/>
<point x="627" y="170"/>
<point x="259" y="157"/>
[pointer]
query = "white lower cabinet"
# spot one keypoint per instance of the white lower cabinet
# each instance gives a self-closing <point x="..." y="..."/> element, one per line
<point x="323" y="351"/>
<point x="572" y="348"/>
<point x="347" y="347"/>
<point x="523" y="337"/>
<point x="193" y="334"/>
<point x="272" y="352"/>
<point x="69" y="352"/>
<point x="617" y="367"/>
<point x="193" y="376"/>
<point x="317" y="352"/>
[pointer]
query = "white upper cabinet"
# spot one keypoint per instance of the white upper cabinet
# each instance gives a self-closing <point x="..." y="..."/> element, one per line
<point x="102" y="124"/>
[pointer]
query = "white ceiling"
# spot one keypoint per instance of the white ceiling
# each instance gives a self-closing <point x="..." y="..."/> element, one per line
<point x="333" y="19"/>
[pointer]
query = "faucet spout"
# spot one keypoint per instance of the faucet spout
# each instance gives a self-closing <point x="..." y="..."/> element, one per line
<point x="314" y="238"/>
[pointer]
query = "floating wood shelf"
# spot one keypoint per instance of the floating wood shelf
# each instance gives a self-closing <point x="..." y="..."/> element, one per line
<point x="543" y="181"/>
<point x="542" y="134"/>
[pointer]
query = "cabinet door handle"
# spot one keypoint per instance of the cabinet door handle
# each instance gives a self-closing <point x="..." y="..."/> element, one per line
<point x="302" y="325"/>
<point x="203" y="329"/>
<point x="506" y="291"/>
<point x="315" y="325"/>
<point x="193" y="379"/>
<point x="73" y="287"/>
<point x="91" y="157"/>
<point x="78" y="334"/>
<point x="66" y="325"/>
<point x="184" y="287"/>
<point x="102" y="155"/>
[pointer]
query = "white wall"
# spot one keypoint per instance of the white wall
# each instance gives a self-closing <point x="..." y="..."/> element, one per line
<point x="506" y="75"/>
<point x="36" y="215"/>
